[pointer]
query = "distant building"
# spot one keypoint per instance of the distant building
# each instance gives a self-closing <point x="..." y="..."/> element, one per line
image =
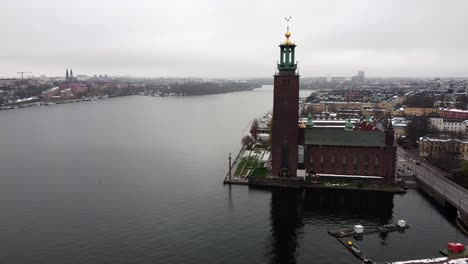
<point x="455" y="113"/>
<point x="437" y="148"/>
<point x="337" y="79"/>
<point x="418" y="111"/>
<point x="7" y="82"/>
<point x="360" y="75"/>
<point x="66" y="93"/>
<point x="448" y="125"/>
<point x="69" y="76"/>
<point x="48" y="94"/>
<point x="399" y="126"/>
<point x="78" y="88"/>
<point x="359" y="78"/>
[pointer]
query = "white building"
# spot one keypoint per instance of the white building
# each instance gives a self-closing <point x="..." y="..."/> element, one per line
<point x="399" y="126"/>
<point x="448" y="125"/>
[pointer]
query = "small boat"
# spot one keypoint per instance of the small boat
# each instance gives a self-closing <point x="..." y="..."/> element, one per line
<point x="355" y="248"/>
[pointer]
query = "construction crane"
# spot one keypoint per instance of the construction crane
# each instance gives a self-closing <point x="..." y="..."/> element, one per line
<point x="22" y="74"/>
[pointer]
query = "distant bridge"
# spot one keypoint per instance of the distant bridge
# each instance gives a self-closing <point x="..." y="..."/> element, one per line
<point x="433" y="182"/>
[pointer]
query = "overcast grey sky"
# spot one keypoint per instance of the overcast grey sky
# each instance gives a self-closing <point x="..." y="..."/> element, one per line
<point x="233" y="39"/>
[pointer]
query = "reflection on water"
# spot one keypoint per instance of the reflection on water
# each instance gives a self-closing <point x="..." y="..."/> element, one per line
<point x="286" y="218"/>
<point x="344" y="205"/>
<point x="291" y="210"/>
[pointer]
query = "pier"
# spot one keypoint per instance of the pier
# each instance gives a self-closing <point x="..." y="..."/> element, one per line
<point x="368" y="230"/>
<point x="344" y="234"/>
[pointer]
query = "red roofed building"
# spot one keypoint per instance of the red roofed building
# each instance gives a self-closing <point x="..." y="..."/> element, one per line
<point x="455" y="113"/>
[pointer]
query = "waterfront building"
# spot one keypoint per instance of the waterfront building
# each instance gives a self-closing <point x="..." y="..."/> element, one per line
<point x="285" y="112"/>
<point x="50" y="93"/>
<point x="78" y="88"/>
<point x="363" y="151"/>
<point x="66" y="93"/>
<point x="332" y="148"/>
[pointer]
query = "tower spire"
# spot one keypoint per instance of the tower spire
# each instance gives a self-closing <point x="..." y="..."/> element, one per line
<point x="287" y="61"/>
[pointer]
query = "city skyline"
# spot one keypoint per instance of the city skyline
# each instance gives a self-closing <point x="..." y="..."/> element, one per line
<point x="226" y="40"/>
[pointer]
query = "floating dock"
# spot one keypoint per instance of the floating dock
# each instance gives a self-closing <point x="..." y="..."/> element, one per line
<point x="356" y="251"/>
<point x="343" y="234"/>
<point x="368" y="230"/>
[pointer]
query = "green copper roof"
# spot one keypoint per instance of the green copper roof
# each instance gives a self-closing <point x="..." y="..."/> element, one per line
<point x="332" y="137"/>
<point x="348" y="125"/>
<point x="310" y="122"/>
<point x="287" y="58"/>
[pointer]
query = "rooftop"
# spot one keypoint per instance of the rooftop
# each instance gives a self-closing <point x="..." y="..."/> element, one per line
<point x="332" y="137"/>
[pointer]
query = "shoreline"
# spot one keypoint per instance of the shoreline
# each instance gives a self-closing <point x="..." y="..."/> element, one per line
<point x="106" y="96"/>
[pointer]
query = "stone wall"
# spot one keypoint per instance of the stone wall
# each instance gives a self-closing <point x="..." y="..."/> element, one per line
<point x="293" y="182"/>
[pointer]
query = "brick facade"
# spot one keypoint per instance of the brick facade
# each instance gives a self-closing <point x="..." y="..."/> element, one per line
<point x="285" y="127"/>
<point x="350" y="160"/>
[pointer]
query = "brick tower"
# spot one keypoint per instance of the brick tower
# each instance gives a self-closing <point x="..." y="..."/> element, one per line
<point x="285" y="113"/>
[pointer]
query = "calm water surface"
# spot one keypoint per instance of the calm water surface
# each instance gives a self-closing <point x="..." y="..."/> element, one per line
<point x="139" y="180"/>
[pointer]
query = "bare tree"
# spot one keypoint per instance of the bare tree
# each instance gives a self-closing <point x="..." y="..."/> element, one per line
<point x="462" y="101"/>
<point x="254" y="129"/>
<point x="247" y="140"/>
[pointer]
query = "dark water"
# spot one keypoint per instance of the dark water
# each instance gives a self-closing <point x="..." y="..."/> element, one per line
<point x="138" y="180"/>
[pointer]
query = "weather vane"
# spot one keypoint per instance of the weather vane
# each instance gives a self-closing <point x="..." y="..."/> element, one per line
<point x="287" y="21"/>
